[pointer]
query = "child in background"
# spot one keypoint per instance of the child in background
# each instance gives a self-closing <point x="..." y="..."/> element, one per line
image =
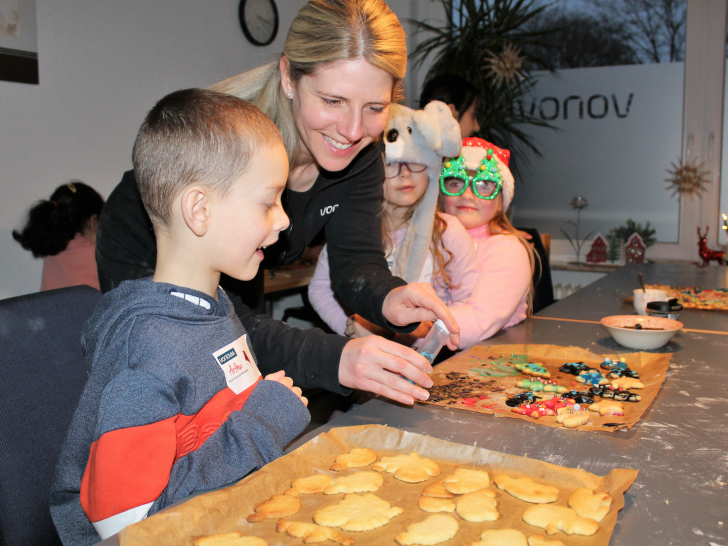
<point x="420" y="244"/>
<point x="461" y="97"/>
<point x="477" y="188"/>
<point x="174" y="402"/>
<point x="62" y="231"/>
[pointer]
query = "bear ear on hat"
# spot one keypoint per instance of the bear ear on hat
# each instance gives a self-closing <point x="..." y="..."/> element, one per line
<point x="429" y="127"/>
<point x="449" y="128"/>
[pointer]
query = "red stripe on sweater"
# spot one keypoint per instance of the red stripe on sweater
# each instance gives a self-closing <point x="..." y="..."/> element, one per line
<point x="130" y="467"/>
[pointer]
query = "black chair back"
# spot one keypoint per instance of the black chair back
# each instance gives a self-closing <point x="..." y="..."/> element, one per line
<point x="542" y="285"/>
<point x="42" y="374"/>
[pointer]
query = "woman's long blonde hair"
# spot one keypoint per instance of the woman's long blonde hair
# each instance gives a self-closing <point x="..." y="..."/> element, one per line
<point x="324" y="32"/>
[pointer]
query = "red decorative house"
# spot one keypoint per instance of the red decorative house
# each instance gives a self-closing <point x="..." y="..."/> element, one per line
<point x="634" y="249"/>
<point x="598" y="252"/>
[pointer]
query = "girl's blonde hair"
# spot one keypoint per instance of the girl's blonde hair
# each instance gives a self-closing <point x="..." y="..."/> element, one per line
<point x="324" y="32"/>
<point x="439" y="260"/>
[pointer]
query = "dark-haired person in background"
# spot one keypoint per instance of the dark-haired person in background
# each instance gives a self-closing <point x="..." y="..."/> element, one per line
<point x="62" y="231"/>
<point x="460" y="95"/>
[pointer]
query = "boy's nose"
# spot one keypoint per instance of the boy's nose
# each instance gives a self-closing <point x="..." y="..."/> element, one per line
<point x="282" y="221"/>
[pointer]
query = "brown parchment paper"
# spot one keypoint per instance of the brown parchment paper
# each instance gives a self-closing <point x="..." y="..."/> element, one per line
<point x="226" y="510"/>
<point x="651" y="367"/>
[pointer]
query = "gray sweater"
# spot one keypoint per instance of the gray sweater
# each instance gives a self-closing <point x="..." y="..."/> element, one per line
<point x="172" y="406"/>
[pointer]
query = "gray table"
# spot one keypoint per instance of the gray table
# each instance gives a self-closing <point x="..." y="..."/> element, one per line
<point x="680" y="447"/>
<point x="603" y="297"/>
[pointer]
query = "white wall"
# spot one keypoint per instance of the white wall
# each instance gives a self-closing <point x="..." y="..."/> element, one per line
<point x="103" y="64"/>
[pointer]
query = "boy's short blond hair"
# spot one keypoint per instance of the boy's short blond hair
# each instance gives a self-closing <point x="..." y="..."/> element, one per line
<point x="195" y="136"/>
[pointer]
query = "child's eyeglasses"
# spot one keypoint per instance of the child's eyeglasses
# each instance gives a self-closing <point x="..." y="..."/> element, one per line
<point x="393" y="169"/>
<point x="486" y="182"/>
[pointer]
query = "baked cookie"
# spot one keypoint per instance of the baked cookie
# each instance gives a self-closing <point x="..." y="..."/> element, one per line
<point x="526" y="489"/>
<point x="533" y="369"/>
<point x="437" y="490"/>
<point x="572" y="416"/>
<point x="589" y="504"/>
<point x="312" y="533"/>
<point x="433" y="530"/>
<point x="501" y="537"/>
<point x="607" y="407"/>
<point x="477" y="506"/>
<point x="356" y="458"/>
<point x="310" y="485"/>
<point x="627" y="383"/>
<point x="357" y="513"/>
<point x="229" y="539"/>
<point x="465" y="480"/>
<point x="408" y="468"/>
<point x="540" y="540"/>
<point x="433" y="505"/>
<point x="559" y="518"/>
<point x="278" y="506"/>
<point x="367" y="481"/>
<point x="592" y="377"/>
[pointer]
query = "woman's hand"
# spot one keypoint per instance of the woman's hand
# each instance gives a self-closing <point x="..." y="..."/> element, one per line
<point x="417" y="302"/>
<point x="376" y="365"/>
<point x="357" y="327"/>
<point x="280" y="377"/>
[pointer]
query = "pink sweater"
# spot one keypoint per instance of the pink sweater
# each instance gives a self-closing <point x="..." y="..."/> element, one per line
<point x="75" y="265"/>
<point x="499" y="299"/>
<point x="462" y="270"/>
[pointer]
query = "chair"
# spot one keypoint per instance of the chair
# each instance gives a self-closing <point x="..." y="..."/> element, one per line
<point x="42" y="375"/>
<point x="542" y="285"/>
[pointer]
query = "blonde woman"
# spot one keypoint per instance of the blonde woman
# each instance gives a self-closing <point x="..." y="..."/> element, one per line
<point x="342" y="66"/>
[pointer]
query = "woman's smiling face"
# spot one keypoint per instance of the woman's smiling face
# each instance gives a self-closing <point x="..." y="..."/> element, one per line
<point x="339" y="109"/>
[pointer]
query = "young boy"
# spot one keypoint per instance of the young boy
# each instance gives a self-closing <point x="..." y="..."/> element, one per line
<point x="174" y="402"/>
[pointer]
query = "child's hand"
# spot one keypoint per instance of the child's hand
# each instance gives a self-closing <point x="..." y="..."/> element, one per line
<point x="280" y="377"/>
<point x="357" y="327"/>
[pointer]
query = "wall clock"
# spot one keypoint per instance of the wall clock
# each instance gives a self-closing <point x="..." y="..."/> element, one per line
<point x="259" y="20"/>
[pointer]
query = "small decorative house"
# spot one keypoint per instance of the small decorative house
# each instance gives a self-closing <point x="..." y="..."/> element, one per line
<point x="634" y="249"/>
<point x="598" y="252"/>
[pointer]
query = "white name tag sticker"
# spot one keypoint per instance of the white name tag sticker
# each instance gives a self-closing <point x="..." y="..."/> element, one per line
<point x="237" y="364"/>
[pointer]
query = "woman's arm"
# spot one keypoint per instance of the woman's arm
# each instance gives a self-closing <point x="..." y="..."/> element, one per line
<point x="322" y="297"/>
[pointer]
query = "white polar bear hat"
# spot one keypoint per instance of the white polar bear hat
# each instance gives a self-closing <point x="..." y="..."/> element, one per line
<point x="425" y="137"/>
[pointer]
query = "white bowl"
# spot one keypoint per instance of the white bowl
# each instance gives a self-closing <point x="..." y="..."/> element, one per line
<point x="621" y="328"/>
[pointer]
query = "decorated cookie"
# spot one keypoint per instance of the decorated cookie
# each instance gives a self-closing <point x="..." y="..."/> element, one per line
<point x="626" y="372"/>
<point x="526" y="489"/>
<point x="589" y="504"/>
<point x="559" y="518"/>
<point x="477" y="506"/>
<point x="522" y="398"/>
<point x="433" y="505"/>
<point x="356" y="458"/>
<point x="366" y="481"/>
<point x="534" y="410"/>
<point x="593" y="377"/>
<point x="627" y="383"/>
<point x="557" y="402"/>
<point x="312" y="533"/>
<point x="235" y="538"/>
<point x="579" y="397"/>
<point x="533" y="369"/>
<point x="572" y="416"/>
<point x="437" y="490"/>
<point x="465" y="480"/>
<point x="357" y="513"/>
<point x="278" y="506"/>
<point x="614" y="364"/>
<point x="408" y="468"/>
<point x="619" y="395"/>
<point x="501" y="537"/>
<point x="540" y="385"/>
<point x="574" y="368"/>
<point x="607" y="407"/>
<point x="310" y="485"/>
<point x="433" y="530"/>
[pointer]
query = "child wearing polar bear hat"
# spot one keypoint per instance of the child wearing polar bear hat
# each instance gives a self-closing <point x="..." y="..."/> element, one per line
<point x="477" y="187"/>
<point x="421" y="245"/>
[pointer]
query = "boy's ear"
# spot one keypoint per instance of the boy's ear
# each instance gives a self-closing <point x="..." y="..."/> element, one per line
<point x="196" y="209"/>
